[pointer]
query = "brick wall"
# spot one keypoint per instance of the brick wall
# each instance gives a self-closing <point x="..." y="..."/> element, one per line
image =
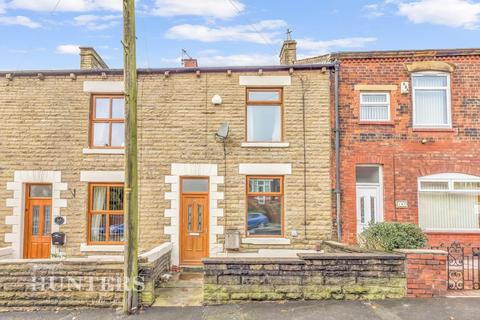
<point x="347" y="276"/>
<point x="426" y="273"/>
<point x="46" y="127"/>
<point x="396" y="145"/>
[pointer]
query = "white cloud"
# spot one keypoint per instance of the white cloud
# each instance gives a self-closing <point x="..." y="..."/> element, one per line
<point x="222" y="9"/>
<point x="322" y="47"/>
<point x="2" y="7"/>
<point x="68" y="49"/>
<point x="228" y="60"/>
<point x="374" y="10"/>
<point x="95" y="22"/>
<point x="264" y="31"/>
<point x="66" y="5"/>
<point x="19" y="21"/>
<point x="452" y="13"/>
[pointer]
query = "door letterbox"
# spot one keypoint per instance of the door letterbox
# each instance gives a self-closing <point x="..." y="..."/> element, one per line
<point x="58" y="238"/>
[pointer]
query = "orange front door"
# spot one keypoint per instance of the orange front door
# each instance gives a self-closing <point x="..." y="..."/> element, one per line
<point x="193" y="229"/>
<point x="38" y="221"/>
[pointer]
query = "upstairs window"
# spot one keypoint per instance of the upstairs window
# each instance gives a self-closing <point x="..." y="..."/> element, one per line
<point x="431" y="100"/>
<point x="264" y="115"/>
<point x="374" y="106"/>
<point x="107" y="126"/>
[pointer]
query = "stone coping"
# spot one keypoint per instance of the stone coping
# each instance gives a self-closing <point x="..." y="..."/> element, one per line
<point x="95" y="260"/>
<point x="349" y="256"/>
<point x="155" y="253"/>
<point x="344" y="247"/>
<point x="252" y="260"/>
<point x="421" y="251"/>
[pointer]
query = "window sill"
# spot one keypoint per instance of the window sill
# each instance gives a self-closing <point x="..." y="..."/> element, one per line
<point x="377" y="123"/>
<point x="266" y="240"/>
<point x="433" y="130"/>
<point x="453" y="231"/>
<point x="103" y="151"/>
<point x="101" y="248"/>
<point x="265" y="144"/>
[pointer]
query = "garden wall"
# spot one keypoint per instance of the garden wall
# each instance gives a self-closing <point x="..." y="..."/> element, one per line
<point x="76" y="282"/>
<point x="347" y="276"/>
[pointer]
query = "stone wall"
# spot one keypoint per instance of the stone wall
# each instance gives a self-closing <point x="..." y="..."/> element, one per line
<point x="349" y="276"/>
<point x="152" y="265"/>
<point x="77" y="282"/>
<point x="48" y="284"/>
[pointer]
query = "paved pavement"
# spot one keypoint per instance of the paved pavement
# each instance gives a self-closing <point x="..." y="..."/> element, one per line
<point x="433" y="309"/>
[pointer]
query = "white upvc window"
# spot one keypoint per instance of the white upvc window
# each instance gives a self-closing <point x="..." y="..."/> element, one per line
<point x="431" y="100"/>
<point x="374" y="106"/>
<point x="449" y="202"/>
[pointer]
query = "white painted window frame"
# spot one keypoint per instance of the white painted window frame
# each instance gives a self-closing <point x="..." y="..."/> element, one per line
<point x="450" y="178"/>
<point x="380" y="104"/>
<point x="448" y="94"/>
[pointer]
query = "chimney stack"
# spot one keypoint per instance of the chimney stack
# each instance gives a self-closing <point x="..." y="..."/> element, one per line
<point x="288" y="54"/>
<point x="90" y="59"/>
<point x="189" y="63"/>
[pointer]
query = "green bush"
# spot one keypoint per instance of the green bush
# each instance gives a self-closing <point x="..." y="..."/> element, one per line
<point x="388" y="236"/>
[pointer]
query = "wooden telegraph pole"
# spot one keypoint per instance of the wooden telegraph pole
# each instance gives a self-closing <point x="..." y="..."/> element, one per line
<point x="130" y="296"/>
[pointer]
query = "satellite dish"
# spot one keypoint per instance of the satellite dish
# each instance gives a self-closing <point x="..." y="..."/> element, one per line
<point x="222" y="132"/>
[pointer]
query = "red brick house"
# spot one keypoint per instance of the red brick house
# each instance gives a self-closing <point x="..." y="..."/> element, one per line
<point x="410" y="141"/>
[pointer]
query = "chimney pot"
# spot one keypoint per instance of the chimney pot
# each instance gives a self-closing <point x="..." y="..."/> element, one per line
<point x="189" y="63"/>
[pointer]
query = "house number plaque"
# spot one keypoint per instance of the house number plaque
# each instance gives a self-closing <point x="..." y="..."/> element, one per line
<point x="401" y="204"/>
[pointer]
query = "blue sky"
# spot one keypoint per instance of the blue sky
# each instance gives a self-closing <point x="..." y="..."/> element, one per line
<point x="45" y="34"/>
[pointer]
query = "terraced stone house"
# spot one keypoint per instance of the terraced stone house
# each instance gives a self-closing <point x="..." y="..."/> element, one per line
<point x="262" y="184"/>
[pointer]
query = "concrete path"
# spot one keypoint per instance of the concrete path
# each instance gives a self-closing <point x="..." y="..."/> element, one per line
<point x="184" y="289"/>
<point x="433" y="309"/>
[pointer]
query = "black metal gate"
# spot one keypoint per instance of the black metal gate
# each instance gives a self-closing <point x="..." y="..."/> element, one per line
<point x="463" y="267"/>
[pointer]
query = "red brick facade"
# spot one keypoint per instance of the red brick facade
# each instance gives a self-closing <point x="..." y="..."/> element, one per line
<point x="404" y="153"/>
<point x="426" y="273"/>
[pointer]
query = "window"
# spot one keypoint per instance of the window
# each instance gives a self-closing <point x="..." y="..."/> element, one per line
<point x="374" y="106"/>
<point x="264" y="115"/>
<point x="449" y="201"/>
<point x="108" y="122"/>
<point x="265" y="206"/>
<point x="105" y="214"/>
<point x="431" y="100"/>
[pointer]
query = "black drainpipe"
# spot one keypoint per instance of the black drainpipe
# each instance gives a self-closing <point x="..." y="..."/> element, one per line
<point x="337" y="154"/>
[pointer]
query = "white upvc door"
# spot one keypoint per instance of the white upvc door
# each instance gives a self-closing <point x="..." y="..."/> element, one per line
<point x="369" y="206"/>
